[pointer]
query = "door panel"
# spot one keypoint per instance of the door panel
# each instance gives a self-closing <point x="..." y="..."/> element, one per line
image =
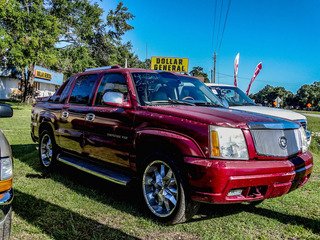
<point x="72" y="124"/>
<point x="109" y="137"/>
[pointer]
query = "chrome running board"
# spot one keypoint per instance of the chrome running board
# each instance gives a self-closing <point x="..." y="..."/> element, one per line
<point x="95" y="170"/>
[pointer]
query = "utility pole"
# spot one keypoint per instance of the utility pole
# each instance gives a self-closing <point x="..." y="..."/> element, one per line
<point x="214" y="68"/>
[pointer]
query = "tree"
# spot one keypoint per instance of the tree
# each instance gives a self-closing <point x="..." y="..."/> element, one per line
<point x="290" y="100"/>
<point x="99" y="41"/>
<point x="124" y="52"/>
<point x="65" y="35"/>
<point x="198" y="72"/>
<point x="87" y="40"/>
<point x="309" y="94"/>
<point x="28" y="33"/>
<point x="263" y="95"/>
<point x="269" y="94"/>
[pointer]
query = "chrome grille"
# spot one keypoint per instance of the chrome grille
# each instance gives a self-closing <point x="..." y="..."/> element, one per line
<point x="268" y="142"/>
<point x="276" y="139"/>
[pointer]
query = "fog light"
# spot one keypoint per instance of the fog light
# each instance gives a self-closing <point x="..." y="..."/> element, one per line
<point x="234" y="192"/>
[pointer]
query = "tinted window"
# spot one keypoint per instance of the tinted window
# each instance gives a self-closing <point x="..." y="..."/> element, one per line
<point x="164" y="88"/>
<point x="112" y="82"/>
<point x="66" y="91"/>
<point x="56" y="96"/>
<point x="233" y="95"/>
<point x="82" y="89"/>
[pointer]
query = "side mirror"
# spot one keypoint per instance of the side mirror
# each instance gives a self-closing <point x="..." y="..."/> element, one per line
<point x="5" y="111"/>
<point x="115" y="99"/>
<point x="225" y="103"/>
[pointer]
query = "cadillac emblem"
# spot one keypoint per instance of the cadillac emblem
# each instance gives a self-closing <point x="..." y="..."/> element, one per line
<point x="283" y="142"/>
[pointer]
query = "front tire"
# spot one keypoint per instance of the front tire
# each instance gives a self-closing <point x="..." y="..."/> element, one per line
<point x="47" y="150"/>
<point x="164" y="191"/>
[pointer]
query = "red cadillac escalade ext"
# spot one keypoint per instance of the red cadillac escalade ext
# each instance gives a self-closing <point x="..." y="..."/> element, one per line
<point x="170" y="135"/>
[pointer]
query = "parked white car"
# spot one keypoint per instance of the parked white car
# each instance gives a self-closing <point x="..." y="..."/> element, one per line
<point x="237" y="99"/>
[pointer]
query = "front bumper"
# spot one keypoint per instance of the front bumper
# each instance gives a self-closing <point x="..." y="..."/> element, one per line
<point x="212" y="180"/>
<point x="5" y="204"/>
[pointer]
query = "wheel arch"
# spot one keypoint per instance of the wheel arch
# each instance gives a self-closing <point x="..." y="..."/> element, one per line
<point x="152" y="141"/>
<point x="46" y="125"/>
<point x="46" y="120"/>
<point x="168" y="147"/>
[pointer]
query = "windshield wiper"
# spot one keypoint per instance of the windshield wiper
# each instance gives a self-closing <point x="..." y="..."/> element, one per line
<point x="181" y="102"/>
<point x="210" y="104"/>
<point x="172" y="101"/>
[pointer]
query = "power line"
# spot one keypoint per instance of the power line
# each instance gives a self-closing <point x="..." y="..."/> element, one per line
<point x="214" y="25"/>
<point x="219" y="24"/>
<point x="224" y="26"/>
<point x="218" y="43"/>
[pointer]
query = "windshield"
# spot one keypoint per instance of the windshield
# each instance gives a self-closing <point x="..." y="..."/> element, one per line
<point x="167" y="88"/>
<point x="233" y="95"/>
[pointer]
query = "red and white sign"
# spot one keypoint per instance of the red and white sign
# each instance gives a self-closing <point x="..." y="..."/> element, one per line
<point x="236" y="65"/>
<point x="256" y="72"/>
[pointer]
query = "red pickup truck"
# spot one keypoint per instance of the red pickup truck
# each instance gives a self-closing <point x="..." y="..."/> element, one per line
<point x="169" y="134"/>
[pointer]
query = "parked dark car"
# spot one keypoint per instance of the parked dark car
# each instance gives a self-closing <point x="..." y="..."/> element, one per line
<point x="6" y="165"/>
<point x="169" y="134"/>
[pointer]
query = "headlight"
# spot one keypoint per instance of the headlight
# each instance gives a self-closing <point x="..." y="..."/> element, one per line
<point x="6" y="168"/>
<point x="228" y="143"/>
<point x="304" y="139"/>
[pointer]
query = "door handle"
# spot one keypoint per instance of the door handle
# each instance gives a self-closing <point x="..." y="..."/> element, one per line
<point x="65" y="114"/>
<point x="90" y="117"/>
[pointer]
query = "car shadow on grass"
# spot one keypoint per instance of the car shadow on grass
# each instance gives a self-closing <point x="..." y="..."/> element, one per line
<point x="97" y="189"/>
<point x="307" y="223"/>
<point x="208" y="211"/>
<point x="61" y="223"/>
<point x="27" y="153"/>
<point x="127" y="199"/>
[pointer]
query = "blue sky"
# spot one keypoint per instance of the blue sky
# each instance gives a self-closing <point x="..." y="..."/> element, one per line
<point x="283" y="35"/>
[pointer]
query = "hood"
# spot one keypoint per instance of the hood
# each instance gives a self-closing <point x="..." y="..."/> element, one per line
<point x="274" y="112"/>
<point x="213" y="115"/>
<point x="5" y="149"/>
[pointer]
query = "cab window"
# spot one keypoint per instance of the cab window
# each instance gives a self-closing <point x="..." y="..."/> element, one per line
<point x="56" y="96"/>
<point x="82" y="89"/>
<point x="111" y="82"/>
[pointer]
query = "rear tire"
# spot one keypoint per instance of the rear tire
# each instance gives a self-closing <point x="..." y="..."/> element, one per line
<point x="164" y="192"/>
<point x="47" y="150"/>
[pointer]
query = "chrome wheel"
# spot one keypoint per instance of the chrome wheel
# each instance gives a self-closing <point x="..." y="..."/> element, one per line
<point x="160" y="188"/>
<point x="46" y="149"/>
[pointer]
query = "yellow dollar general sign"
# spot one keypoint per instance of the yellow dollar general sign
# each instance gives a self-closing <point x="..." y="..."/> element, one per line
<point x="42" y="74"/>
<point x="170" y="64"/>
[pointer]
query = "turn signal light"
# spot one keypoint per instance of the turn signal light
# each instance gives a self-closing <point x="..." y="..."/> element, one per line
<point x="215" y="151"/>
<point x="5" y="185"/>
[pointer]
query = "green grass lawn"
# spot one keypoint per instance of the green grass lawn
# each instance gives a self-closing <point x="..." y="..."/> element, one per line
<point x="311" y="112"/>
<point x="68" y="204"/>
<point x="314" y="127"/>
